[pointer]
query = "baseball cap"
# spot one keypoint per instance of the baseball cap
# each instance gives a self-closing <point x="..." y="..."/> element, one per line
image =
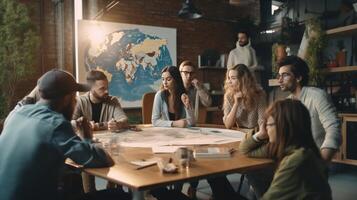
<point x="57" y="83"/>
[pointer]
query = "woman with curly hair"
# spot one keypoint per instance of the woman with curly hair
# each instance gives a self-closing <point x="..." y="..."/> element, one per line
<point x="244" y="100"/>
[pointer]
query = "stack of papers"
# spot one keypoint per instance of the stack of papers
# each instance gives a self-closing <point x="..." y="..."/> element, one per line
<point x="213" y="152"/>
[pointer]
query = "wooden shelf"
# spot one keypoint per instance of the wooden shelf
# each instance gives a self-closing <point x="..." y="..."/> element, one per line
<point x="273" y="82"/>
<point x="340" y="69"/>
<point x="345" y="30"/>
<point x="347" y="114"/>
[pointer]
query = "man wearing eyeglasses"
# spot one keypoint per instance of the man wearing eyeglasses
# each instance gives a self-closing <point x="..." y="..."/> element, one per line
<point x="195" y="90"/>
<point x="196" y="94"/>
<point x="293" y="77"/>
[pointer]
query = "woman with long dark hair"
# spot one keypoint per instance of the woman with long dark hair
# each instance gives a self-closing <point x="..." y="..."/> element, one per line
<point x="172" y="107"/>
<point x="244" y="100"/>
<point x="286" y="137"/>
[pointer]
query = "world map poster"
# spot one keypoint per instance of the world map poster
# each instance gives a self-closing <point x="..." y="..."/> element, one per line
<point x="131" y="56"/>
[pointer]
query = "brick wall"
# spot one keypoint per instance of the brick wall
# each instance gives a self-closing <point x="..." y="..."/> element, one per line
<point x="43" y="15"/>
<point x="215" y="31"/>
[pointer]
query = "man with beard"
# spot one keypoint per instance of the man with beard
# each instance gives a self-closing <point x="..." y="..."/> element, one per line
<point x="37" y="138"/>
<point x="244" y="54"/>
<point x="103" y="110"/>
<point x="293" y="77"/>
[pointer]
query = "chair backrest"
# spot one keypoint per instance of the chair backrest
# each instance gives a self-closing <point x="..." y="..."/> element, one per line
<point x="146" y="108"/>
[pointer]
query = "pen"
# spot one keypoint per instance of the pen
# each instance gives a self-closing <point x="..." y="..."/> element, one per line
<point x="145" y="166"/>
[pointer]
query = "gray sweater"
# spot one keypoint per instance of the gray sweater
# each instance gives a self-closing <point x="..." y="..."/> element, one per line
<point x="110" y="109"/>
<point x="325" y="124"/>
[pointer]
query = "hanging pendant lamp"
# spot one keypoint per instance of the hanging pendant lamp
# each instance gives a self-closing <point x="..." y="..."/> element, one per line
<point x="189" y="11"/>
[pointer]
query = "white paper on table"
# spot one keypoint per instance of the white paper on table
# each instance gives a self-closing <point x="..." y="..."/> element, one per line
<point x="160" y="136"/>
<point x="165" y="149"/>
<point x="145" y="162"/>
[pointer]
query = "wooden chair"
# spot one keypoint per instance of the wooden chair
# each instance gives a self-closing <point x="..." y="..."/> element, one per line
<point x="146" y="107"/>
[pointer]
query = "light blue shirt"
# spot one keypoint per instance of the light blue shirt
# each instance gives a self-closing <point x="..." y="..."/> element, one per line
<point x="160" y="112"/>
<point x="33" y="147"/>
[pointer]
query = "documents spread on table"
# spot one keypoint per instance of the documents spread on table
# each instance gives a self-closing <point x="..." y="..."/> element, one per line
<point x="160" y="136"/>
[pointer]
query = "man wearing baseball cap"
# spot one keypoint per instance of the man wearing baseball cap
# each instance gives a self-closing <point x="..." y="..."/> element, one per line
<point x="37" y="139"/>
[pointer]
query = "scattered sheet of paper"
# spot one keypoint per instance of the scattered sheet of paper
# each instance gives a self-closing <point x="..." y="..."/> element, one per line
<point x="165" y="149"/>
<point x="145" y="162"/>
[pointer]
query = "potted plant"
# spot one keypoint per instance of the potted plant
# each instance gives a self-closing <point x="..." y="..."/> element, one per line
<point x="289" y="34"/>
<point x="18" y="43"/>
<point x="315" y="46"/>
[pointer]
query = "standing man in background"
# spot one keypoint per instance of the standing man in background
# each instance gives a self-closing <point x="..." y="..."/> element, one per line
<point x="244" y="54"/>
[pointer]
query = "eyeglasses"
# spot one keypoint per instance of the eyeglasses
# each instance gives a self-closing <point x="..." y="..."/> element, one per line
<point x="283" y="75"/>
<point x="187" y="72"/>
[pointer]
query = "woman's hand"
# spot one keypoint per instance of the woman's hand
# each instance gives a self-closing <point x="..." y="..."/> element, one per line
<point x="237" y="96"/>
<point x="262" y="134"/>
<point x="181" y="123"/>
<point x="186" y="101"/>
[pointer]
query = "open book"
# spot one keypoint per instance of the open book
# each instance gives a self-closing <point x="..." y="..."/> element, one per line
<point x="213" y="152"/>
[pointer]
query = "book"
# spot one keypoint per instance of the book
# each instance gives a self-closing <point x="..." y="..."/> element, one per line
<point x="213" y="152"/>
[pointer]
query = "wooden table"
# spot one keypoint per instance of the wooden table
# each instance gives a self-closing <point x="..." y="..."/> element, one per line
<point x="126" y="174"/>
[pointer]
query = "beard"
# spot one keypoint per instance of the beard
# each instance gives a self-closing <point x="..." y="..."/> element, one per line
<point x="242" y="44"/>
<point x="99" y="97"/>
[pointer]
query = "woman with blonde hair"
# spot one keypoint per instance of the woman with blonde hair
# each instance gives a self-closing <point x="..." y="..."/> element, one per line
<point x="244" y="100"/>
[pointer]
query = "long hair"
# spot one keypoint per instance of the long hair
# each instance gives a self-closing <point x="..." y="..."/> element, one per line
<point x="293" y="127"/>
<point x="246" y="85"/>
<point x="179" y="89"/>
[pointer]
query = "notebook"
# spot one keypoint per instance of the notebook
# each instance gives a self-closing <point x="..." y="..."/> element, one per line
<point x="213" y="152"/>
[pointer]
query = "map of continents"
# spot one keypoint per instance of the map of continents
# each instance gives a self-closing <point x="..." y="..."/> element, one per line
<point x="132" y="62"/>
